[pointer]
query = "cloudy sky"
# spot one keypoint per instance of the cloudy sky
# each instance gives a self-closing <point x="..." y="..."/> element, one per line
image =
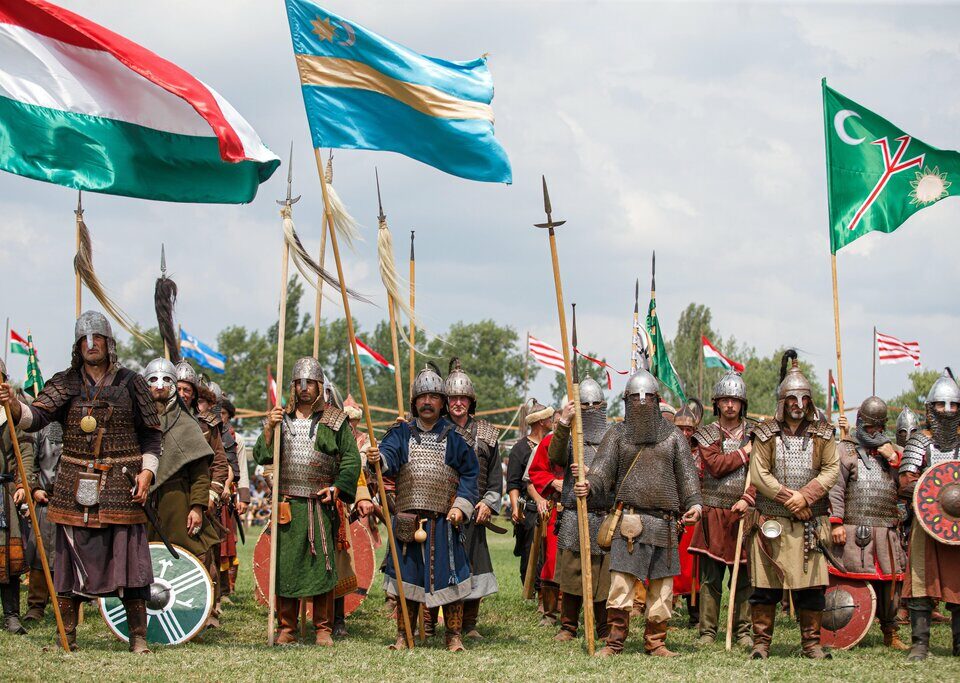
<point x="692" y="129"/>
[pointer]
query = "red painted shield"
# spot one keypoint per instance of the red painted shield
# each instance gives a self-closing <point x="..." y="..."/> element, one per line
<point x="936" y="500"/>
<point x="848" y="615"/>
<point x="363" y="558"/>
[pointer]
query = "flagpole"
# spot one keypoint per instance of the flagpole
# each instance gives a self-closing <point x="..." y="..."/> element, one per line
<point x="836" y="332"/>
<point x="413" y="299"/>
<point x="323" y="255"/>
<point x="575" y="428"/>
<point x="700" y="369"/>
<point x="79" y="218"/>
<point x="634" y="333"/>
<point x="6" y="342"/>
<point x="408" y="632"/>
<point x="874" y="354"/>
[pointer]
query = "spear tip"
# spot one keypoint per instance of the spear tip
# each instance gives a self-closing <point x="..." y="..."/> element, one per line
<point x="546" y="196"/>
<point x="79" y="201"/>
<point x="412" y="234"/>
<point x="163" y="261"/>
<point x="376" y="174"/>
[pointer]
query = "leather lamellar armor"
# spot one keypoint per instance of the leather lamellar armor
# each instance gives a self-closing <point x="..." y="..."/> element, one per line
<point x="921" y="453"/>
<point x="792" y="465"/>
<point x="425" y="482"/>
<point x="113" y="409"/>
<point x="871" y="495"/>
<point x="305" y="471"/>
<point x="725" y="491"/>
<point x="482" y="437"/>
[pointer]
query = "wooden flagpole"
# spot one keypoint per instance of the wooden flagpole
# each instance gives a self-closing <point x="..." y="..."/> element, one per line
<point x="79" y="218"/>
<point x="413" y="300"/>
<point x="830" y="395"/>
<point x="392" y="307"/>
<point x="323" y="256"/>
<point x="873" y="352"/>
<point x="836" y="332"/>
<point x="575" y="428"/>
<point x="408" y="632"/>
<point x="635" y="332"/>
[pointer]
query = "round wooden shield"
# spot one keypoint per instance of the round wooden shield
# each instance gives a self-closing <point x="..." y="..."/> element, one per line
<point x="363" y="558"/>
<point x="936" y="500"/>
<point x="181" y="598"/>
<point x="848" y="615"/>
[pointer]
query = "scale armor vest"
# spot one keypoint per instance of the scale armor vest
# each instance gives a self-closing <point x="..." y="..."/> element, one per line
<point x="793" y="467"/>
<point x="304" y="471"/>
<point x="921" y="453"/>
<point x="113" y="410"/>
<point x="482" y="437"/>
<point x="727" y="490"/>
<point x="425" y="482"/>
<point x="871" y="495"/>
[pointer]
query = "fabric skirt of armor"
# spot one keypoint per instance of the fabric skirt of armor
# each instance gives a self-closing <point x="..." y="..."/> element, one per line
<point x="48" y="531"/>
<point x="683" y="582"/>
<point x="228" y="544"/>
<point x="715" y="535"/>
<point x="483" y="581"/>
<point x="301" y="571"/>
<point x="932" y="568"/>
<point x="778" y="562"/>
<point x="548" y="551"/>
<point x="102" y="562"/>
<point x="435" y="572"/>
<point x="12" y="560"/>
<point x="173" y="506"/>
<point x="645" y="562"/>
<point x="874" y="563"/>
<point x="570" y="577"/>
<point x="346" y="569"/>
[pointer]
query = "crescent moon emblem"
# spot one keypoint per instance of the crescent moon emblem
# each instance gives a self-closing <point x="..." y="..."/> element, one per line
<point x="838" y="122"/>
<point x="351" y="36"/>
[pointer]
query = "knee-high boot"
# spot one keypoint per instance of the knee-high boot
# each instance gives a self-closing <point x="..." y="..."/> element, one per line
<point x="10" y="597"/>
<point x="763" y="617"/>
<point x="452" y="625"/>
<point x="323" y="618"/>
<point x="919" y="634"/>
<point x="471" y="612"/>
<point x="37" y="596"/>
<point x="288" y="613"/>
<point x="339" y="619"/>
<point x="810" y="620"/>
<point x="569" y="617"/>
<point x="69" y="609"/>
<point x="137" y="622"/>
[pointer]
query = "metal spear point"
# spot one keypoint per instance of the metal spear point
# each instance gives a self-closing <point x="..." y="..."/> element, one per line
<point x="290" y="200"/>
<point x="79" y="210"/>
<point x="576" y="370"/>
<point x="550" y="224"/>
<point x="163" y="262"/>
<point x="382" y="217"/>
<point x="636" y="297"/>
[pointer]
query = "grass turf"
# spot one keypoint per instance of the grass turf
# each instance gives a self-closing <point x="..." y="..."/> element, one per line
<point x="514" y="649"/>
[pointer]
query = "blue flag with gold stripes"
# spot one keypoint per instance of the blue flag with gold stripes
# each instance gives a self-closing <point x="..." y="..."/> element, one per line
<point x="362" y="91"/>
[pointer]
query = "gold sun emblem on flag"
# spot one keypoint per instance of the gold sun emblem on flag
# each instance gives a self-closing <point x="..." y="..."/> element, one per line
<point x="929" y="186"/>
<point x="323" y="28"/>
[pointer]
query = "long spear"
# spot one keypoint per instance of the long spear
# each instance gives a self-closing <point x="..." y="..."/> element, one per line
<point x="634" y="333"/>
<point x="413" y="300"/>
<point x="323" y="256"/>
<point x="79" y="222"/>
<point x="408" y="632"/>
<point x="391" y="306"/>
<point x="285" y="213"/>
<point x="736" y="571"/>
<point x="582" y="522"/>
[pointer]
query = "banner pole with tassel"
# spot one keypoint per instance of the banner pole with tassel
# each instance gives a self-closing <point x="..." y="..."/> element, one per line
<point x="323" y="256"/>
<point x="413" y="300"/>
<point x="382" y="223"/>
<point x="78" y="222"/>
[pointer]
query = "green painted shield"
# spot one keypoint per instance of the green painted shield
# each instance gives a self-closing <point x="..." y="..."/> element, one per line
<point x="181" y="597"/>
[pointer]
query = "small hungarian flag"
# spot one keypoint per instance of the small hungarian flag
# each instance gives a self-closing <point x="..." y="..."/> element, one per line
<point x="370" y="358"/>
<point x="18" y="344"/>
<point x="660" y="365"/>
<point x="33" y="385"/>
<point x="834" y="396"/>
<point x="877" y="175"/>
<point x="712" y="358"/>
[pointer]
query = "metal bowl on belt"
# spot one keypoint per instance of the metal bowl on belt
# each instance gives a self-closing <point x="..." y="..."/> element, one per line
<point x="771" y="528"/>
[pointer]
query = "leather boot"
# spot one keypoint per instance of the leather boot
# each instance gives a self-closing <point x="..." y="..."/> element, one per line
<point x="431" y="617"/>
<point x="471" y="611"/>
<point x="762" y="617"/>
<point x="37" y="596"/>
<point x="453" y="624"/>
<point x="401" y="641"/>
<point x="10" y="596"/>
<point x="551" y="597"/>
<point x="618" y="621"/>
<point x="569" y="617"/>
<point x="919" y="634"/>
<point x="741" y="623"/>
<point x="655" y="639"/>
<point x="323" y="618"/>
<point x="339" y="619"/>
<point x="69" y="608"/>
<point x="810" y="620"/>
<point x="693" y="611"/>
<point x="288" y="612"/>
<point x="709" y="616"/>
<point x="955" y="631"/>
<point x="600" y="619"/>
<point x="137" y="623"/>
<point x="891" y="637"/>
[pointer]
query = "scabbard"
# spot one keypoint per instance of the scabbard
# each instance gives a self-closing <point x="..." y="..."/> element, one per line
<point x="152" y="517"/>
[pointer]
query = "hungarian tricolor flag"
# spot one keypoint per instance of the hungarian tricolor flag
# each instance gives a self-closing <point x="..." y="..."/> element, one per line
<point x="712" y="358"/>
<point x="834" y="396"/>
<point x="271" y="389"/>
<point x="370" y="358"/>
<point x="83" y="107"/>
<point x="877" y="175"/>
<point x="18" y="344"/>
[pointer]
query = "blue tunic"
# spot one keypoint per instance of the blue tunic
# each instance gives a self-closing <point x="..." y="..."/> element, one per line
<point x="447" y="579"/>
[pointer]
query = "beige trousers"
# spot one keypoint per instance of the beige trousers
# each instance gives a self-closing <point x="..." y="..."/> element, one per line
<point x="659" y="595"/>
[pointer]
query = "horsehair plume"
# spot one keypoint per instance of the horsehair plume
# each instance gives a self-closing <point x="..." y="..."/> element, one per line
<point x="454" y="365"/>
<point x="309" y="268"/>
<point x="164" y="300"/>
<point x="789" y="354"/>
<point x="430" y="365"/>
<point x="83" y="265"/>
<point x="393" y="283"/>
<point x="346" y="225"/>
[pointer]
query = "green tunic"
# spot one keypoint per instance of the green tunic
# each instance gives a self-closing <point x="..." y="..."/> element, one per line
<point x="302" y="571"/>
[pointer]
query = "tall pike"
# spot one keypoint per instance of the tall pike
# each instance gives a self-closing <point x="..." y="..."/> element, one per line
<point x="576" y="428"/>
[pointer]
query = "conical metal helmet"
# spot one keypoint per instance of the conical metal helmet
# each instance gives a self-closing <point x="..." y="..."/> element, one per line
<point x="641" y="383"/>
<point x="907" y="423"/>
<point x="217" y="391"/>
<point x="793" y="383"/>
<point x="161" y="373"/>
<point x="873" y="412"/>
<point x="458" y="383"/>
<point x="186" y="373"/>
<point x="427" y="381"/>
<point x="731" y="385"/>
<point x="591" y="391"/>
<point x="306" y="369"/>
<point x="944" y="390"/>
<point x="689" y="415"/>
<point x="90" y="323"/>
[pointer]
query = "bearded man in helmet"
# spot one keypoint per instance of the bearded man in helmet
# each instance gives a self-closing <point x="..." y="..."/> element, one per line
<point x="319" y="467"/>
<point x="793" y="465"/>
<point x="593" y="410"/>
<point x="435" y="470"/>
<point x="932" y="567"/>
<point x="864" y="514"/>
<point x="646" y="463"/>
<point x="483" y="437"/>
<point x="723" y="450"/>
<point x="110" y="424"/>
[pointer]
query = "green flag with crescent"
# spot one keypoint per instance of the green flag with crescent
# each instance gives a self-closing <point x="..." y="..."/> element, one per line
<point x="660" y="365"/>
<point x="877" y="175"/>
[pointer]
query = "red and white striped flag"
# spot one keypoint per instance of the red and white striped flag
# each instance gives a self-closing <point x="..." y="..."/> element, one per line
<point x="545" y="354"/>
<point x="271" y="389"/>
<point x="891" y="350"/>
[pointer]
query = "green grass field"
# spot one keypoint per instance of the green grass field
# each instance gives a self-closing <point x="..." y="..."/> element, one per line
<point x="514" y="649"/>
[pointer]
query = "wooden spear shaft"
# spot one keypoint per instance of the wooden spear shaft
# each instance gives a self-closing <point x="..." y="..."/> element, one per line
<point x="316" y="310"/>
<point x="79" y="215"/>
<point x="413" y="300"/>
<point x="35" y="523"/>
<point x="731" y="608"/>
<point x="408" y="632"/>
<point x="836" y="332"/>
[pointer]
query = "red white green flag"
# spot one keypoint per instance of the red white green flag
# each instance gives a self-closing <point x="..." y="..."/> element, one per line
<point x="370" y="358"/>
<point x="84" y="107"/>
<point x="18" y="344"/>
<point x="712" y="358"/>
<point x="834" y="396"/>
